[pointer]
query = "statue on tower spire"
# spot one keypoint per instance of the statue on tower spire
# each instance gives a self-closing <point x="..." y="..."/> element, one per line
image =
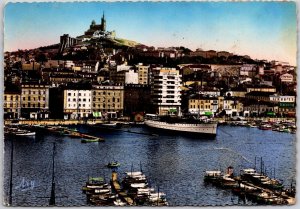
<point x="103" y="22"/>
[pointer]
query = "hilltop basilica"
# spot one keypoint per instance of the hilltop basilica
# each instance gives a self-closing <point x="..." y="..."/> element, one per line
<point x="95" y="32"/>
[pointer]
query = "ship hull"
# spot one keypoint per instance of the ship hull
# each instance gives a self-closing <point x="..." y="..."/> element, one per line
<point x="202" y="128"/>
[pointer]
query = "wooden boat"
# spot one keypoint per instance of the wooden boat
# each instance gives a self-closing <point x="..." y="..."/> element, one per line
<point x="91" y="140"/>
<point x="211" y="176"/>
<point x="114" y="164"/>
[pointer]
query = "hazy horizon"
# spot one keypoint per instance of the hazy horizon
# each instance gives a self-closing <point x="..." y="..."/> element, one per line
<point x="262" y="30"/>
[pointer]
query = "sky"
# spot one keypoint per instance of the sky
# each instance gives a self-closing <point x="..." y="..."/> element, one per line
<point x="262" y="30"/>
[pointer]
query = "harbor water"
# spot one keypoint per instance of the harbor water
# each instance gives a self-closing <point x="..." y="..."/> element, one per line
<point x="174" y="163"/>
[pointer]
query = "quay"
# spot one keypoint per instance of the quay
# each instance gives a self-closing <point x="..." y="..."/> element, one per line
<point x="117" y="188"/>
<point x="255" y="186"/>
<point x="100" y="121"/>
<point x="53" y="122"/>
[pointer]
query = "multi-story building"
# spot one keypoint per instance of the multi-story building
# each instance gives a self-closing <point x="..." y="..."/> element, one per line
<point x="282" y="98"/>
<point x="77" y="102"/>
<point x="107" y="101"/>
<point x="259" y="96"/>
<point x="143" y="73"/>
<point x="131" y="77"/>
<point x="232" y="106"/>
<point x="137" y="99"/>
<point x="35" y="100"/>
<point x="165" y="91"/>
<point x="203" y="105"/>
<point x="287" y="78"/>
<point x="12" y="103"/>
<point x="260" y="109"/>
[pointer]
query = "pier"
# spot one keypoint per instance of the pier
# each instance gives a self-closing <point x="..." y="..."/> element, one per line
<point x="117" y="188"/>
<point x="252" y="185"/>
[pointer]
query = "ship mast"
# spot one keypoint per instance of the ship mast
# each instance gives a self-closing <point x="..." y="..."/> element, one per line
<point x="11" y="171"/>
<point x="52" y="197"/>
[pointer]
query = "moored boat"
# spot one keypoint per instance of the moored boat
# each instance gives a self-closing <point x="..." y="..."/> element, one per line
<point x="181" y="125"/>
<point x="91" y="140"/>
<point x="114" y="164"/>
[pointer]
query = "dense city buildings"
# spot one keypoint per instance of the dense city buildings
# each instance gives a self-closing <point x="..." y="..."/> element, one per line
<point x="99" y="76"/>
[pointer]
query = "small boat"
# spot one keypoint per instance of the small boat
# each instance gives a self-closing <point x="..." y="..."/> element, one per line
<point x="212" y="176"/>
<point x="265" y="127"/>
<point x="109" y="124"/>
<point x="114" y="164"/>
<point x="25" y="133"/>
<point x="119" y="202"/>
<point x="91" y="140"/>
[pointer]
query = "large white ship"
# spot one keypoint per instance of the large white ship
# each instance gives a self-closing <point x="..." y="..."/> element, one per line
<point x="187" y="126"/>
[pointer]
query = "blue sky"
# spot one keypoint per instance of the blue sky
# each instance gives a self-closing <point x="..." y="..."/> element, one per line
<point x="264" y="30"/>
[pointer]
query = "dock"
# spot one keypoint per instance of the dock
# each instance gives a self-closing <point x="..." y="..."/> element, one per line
<point x="117" y="188"/>
<point x="65" y="131"/>
<point x="261" y="192"/>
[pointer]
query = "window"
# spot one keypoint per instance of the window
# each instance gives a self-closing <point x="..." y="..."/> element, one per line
<point x="69" y="94"/>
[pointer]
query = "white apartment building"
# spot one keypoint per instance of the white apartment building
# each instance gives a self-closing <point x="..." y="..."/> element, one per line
<point x="165" y="90"/>
<point x="77" y="103"/>
<point x="131" y="77"/>
<point x="279" y="98"/>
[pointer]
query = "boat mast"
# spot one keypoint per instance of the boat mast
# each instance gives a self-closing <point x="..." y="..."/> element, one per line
<point x="11" y="171"/>
<point x="141" y="166"/>
<point x="52" y="197"/>
<point x="157" y="195"/>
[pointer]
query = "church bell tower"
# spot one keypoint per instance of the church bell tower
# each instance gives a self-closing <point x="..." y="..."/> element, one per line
<point x="103" y="23"/>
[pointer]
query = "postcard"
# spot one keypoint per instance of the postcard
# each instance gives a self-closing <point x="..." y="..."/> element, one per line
<point x="150" y="103"/>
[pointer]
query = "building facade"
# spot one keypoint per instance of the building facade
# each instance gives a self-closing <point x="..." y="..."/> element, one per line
<point x="77" y="103"/>
<point x="35" y="100"/>
<point x="12" y="105"/>
<point x="203" y="105"/>
<point x="143" y="74"/>
<point x="165" y="91"/>
<point x="107" y="101"/>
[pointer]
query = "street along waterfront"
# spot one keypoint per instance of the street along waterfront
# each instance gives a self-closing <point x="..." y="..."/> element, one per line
<point x="174" y="163"/>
